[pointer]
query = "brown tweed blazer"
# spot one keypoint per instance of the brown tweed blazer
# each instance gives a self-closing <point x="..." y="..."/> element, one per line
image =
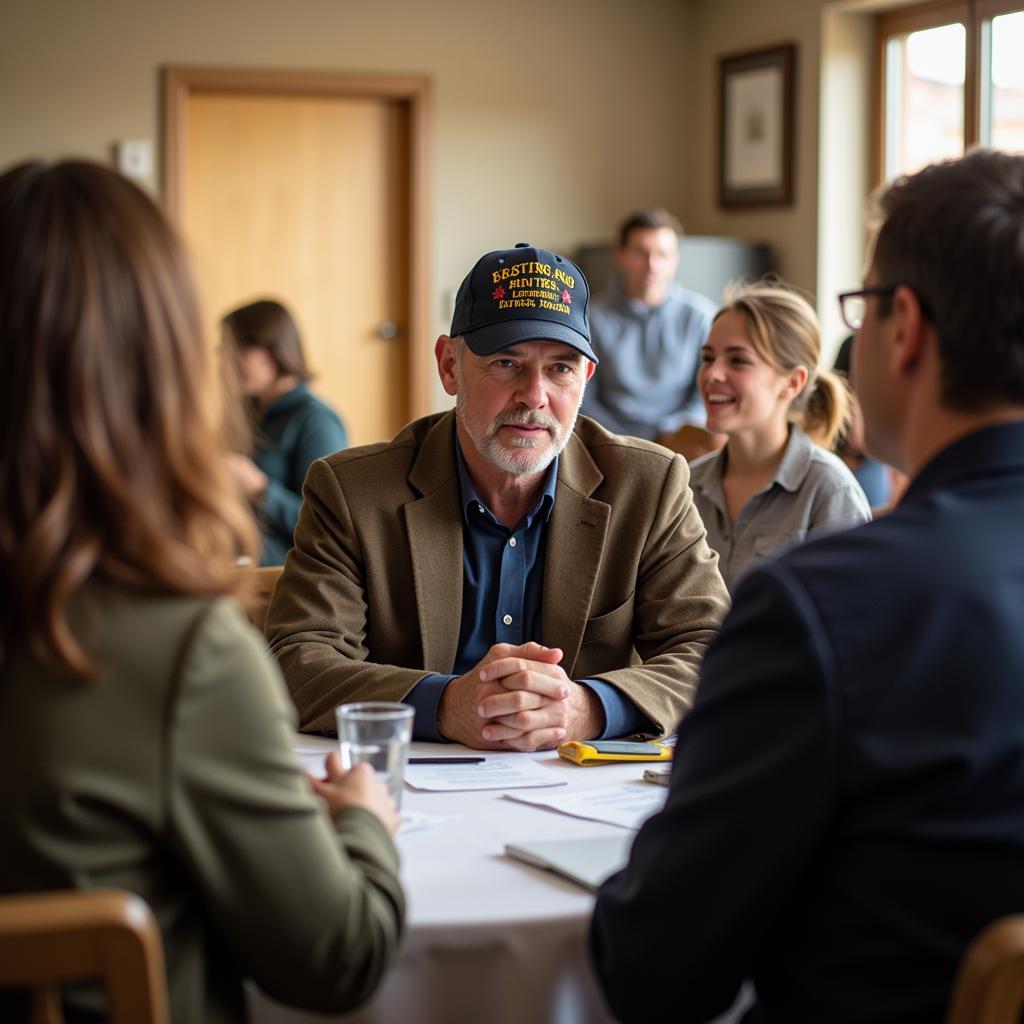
<point x="371" y="595"/>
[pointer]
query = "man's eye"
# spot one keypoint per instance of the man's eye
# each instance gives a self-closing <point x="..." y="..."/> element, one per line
<point x="563" y="368"/>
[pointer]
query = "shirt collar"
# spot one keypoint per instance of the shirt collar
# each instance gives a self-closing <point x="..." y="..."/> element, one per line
<point x="790" y="474"/>
<point x="471" y="501"/>
<point x="994" y="449"/>
<point x="796" y="460"/>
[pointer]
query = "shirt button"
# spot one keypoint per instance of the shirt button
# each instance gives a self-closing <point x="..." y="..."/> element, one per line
<point x="511" y="542"/>
<point x="507" y="619"/>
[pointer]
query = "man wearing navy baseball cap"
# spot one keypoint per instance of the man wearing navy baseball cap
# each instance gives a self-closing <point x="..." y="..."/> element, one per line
<point x="517" y="574"/>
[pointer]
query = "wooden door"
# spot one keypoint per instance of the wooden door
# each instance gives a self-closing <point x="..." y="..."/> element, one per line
<point x="305" y="197"/>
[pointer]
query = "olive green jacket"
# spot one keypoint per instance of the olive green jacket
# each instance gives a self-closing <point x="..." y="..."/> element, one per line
<point x="371" y="595"/>
<point x="172" y="775"/>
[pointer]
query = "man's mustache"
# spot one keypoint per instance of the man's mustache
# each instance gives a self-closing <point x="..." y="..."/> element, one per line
<point x="525" y="418"/>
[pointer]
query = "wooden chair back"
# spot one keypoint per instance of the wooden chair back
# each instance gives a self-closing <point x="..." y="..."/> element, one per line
<point x="48" y="939"/>
<point x="266" y="578"/>
<point x="989" y="986"/>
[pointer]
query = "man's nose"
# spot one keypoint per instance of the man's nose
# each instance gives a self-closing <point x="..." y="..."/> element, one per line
<point x="531" y="391"/>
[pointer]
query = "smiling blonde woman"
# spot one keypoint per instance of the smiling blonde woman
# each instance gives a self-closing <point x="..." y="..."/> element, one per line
<point x="774" y="482"/>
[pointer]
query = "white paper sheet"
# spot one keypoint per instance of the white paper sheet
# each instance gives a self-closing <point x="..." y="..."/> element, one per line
<point x="310" y="752"/>
<point x="627" y="805"/>
<point x="413" y="822"/>
<point x="493" y="773"/>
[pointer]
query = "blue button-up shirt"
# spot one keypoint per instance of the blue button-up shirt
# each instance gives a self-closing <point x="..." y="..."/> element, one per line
<point x="502" y="596"/>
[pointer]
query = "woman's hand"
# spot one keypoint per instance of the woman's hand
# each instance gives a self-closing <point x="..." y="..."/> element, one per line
<point x="357" y="787"/>
<point x="251" y="480"/>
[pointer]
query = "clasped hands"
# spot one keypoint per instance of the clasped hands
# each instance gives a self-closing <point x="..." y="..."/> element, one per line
<point x="518" y="697"/>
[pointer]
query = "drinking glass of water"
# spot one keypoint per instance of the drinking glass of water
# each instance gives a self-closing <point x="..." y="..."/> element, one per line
<point x="377" y="732"/>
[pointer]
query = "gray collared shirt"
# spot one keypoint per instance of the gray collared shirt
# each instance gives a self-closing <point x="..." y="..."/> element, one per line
<point x="812" y="491"/>
<point x="646" y="384"/>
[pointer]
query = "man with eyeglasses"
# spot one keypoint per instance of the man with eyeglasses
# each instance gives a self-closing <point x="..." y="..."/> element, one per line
<point x="847" y="803"/>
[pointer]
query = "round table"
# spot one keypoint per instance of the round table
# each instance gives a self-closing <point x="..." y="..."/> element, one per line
<point x="489" y="938"/>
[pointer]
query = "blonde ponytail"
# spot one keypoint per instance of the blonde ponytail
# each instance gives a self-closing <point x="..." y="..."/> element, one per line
<point x="823" y="410"/>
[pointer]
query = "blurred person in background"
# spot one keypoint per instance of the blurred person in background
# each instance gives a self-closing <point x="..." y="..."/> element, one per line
<point x="647" y="330"/>
<point x="881" y="484"/>
<point x="292" y="426"/>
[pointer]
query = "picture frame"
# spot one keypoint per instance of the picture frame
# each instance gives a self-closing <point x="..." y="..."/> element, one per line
<point x="755" y="128"/>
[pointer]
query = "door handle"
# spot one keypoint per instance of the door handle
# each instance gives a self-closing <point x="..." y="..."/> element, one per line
<point x="387" y="329"/>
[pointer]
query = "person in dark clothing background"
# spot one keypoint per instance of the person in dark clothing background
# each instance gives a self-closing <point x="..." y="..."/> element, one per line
<point x="292" y="426"/>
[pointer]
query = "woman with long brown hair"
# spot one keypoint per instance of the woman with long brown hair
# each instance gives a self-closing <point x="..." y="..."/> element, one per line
<point x="145" y="742"/>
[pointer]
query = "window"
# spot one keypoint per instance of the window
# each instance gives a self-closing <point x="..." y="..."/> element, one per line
<point x="1002" y="87"/>
<point x="951" y="76"/>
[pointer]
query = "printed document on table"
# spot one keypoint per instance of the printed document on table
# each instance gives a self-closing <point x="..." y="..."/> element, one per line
<point x="627" y="805"/>
<point x="493" y="773"/>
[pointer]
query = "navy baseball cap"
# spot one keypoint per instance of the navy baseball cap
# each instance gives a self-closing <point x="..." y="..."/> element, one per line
<point x="523" y="294"/>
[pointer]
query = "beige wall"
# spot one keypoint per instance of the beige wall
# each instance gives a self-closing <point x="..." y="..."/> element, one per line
<point x="549" y="120"/>
<point x="722" y="27"/>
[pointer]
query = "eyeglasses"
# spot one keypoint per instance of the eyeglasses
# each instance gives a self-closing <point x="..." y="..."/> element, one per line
<point x="852" y="305"/>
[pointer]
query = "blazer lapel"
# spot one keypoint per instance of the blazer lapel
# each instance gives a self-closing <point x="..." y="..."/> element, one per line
<point x="576" y="538"/>
<point x="434" y="524"/>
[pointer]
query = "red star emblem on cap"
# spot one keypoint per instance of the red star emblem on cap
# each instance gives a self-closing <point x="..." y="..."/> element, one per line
<point x="499" y="292"/>
<point x="566" y="297"/>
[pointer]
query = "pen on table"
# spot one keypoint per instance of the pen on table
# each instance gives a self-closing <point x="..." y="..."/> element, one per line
<point x="446" y="760"/>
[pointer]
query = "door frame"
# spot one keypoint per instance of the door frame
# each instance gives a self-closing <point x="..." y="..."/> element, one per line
<point x="411" y="91"/>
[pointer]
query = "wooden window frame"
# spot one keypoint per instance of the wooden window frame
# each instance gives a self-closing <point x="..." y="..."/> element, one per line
<point x="969" y="13"/>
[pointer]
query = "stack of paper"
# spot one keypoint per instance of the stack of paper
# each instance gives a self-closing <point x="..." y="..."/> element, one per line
<point x="628" y="805"/>
<point x="492" y="773"/>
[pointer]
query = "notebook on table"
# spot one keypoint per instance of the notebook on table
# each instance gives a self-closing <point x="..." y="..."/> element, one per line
<point x="587" y="862"/>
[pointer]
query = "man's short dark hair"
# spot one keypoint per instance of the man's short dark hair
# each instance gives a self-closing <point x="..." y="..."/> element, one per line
<point x="954" y="234"/>
<point x="643" y="220"/>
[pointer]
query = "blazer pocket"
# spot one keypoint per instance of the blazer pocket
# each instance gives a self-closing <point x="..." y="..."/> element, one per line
<point x="617" y="621"/>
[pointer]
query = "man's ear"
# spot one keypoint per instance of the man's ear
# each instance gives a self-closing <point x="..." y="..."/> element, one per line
<point x="591" y="367"/>
<point x="444" y="353"/>
<point x="911" y="330"/>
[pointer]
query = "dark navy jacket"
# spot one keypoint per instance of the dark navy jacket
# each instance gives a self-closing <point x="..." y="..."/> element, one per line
<point x="847" y="803"/>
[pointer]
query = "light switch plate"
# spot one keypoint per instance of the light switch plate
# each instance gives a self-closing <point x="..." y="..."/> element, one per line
<point x="135" y="158"/>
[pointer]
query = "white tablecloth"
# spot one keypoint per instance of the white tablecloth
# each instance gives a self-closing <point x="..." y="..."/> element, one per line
<point x="489" y="939"/>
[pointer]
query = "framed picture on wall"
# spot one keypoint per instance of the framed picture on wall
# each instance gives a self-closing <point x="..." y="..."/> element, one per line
<point x="755" y="127"/>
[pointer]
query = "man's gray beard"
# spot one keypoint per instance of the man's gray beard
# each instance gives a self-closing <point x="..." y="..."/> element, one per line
<point x="499" y="455"/>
